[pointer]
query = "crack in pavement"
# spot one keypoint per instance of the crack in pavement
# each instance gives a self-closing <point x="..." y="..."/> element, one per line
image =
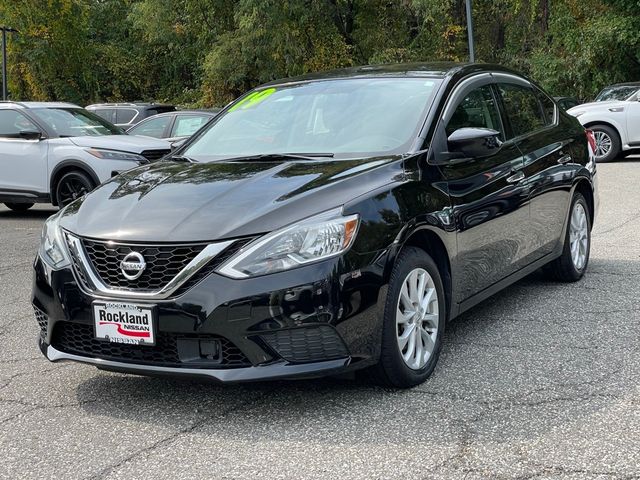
<point x="173" y="437"/>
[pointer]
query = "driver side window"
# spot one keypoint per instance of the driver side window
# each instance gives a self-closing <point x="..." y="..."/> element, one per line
<point x="477" y="109"/>
<point x="12" y="123"/>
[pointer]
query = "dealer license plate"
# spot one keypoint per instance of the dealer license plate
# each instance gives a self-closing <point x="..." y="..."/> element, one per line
<point x="124" y="323"/>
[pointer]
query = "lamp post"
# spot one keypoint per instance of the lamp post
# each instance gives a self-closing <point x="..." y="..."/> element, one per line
<point x="472" y="53"/>
<point x="5" y="29"/>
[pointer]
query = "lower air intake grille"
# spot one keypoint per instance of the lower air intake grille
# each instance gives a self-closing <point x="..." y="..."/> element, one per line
<point x="78" y="339"/>
<point x="43" y="320"/>
<point x="307" y="344"/>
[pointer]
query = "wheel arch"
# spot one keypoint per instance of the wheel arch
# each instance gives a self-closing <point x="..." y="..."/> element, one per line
<point x="429" y="241"/>
<point x="65" y="167"/>
<point x="615" y="128"/>
<point x="583" y="186"/>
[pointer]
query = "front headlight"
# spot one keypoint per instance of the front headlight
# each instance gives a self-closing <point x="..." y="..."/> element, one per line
<point x="115" y="155"/>
<point x="317" y="238"/>
<point x="52" y="249"/>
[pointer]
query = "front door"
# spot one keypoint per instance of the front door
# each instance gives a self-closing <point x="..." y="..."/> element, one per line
<point x="23" y="162"/>
<point x="488" y="196"/>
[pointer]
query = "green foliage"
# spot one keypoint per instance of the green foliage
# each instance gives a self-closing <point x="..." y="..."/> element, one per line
<point x="207" y="52"/>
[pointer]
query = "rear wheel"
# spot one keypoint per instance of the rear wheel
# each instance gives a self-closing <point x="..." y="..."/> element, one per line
<point x="572" y="264"/>
<point x="414" y="321"/>
<point x="607" y="143"/>
<point x="72" y="186"/>
<point x="19" y="207"/>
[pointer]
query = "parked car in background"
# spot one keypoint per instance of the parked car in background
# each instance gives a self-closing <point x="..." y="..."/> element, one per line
<point x="619" y="91"/>
<point x="173" y="126"/>
<point x="566" y="103"/>
<point x="321" y="225"/>
<point x="614" y="119"/>
<point x="57" y="152"/>
<point x="125" y="115"/>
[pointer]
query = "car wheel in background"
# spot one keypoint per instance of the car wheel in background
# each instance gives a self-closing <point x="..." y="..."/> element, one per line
<point x="414" y="321"/>
<point x="19" y="207"/>
<point x="572" y="264"/>
<point x="607" y="143"/>
<point x="71" y="186"/>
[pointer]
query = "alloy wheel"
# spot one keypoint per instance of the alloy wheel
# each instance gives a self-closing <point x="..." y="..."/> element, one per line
<point x="603" y="143"/>
<point x="417" y="318"/>
<point x="71" y="189"/>
<point x="579" y="236"/>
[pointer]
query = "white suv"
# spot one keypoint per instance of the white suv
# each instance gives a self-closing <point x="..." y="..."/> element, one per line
<point x="57" y="152"/>
<point x="614" y="119"/>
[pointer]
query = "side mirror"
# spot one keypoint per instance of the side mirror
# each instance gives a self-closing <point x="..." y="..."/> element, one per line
<point x="30" y="134"/>
<point x="475" y="142"/>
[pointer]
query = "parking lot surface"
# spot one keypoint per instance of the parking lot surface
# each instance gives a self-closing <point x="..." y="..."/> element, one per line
<point x="541" y="381"/>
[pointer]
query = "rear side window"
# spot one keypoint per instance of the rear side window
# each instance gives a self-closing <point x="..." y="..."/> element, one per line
<point x="154" y="127"/>
<point x="106" y="113"/>
<point x="548" y="107"/>
<point x="125" y="115"/>
<point x="477" y="109"/>
<point x="12" y="123"/>
<point x="522" y="108"/>
<point x="187" y="125"/>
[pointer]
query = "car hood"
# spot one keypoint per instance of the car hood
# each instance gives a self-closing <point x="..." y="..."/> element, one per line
<point x="593" y="106"/>
<point x="181" y="202"/>
<point x="125" y="143"/>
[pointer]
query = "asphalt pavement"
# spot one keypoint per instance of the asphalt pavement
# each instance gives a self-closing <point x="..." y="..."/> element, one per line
<point x="541" y="381"/>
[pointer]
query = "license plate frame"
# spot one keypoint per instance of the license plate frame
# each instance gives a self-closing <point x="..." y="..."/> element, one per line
<point x="124" y="323"/>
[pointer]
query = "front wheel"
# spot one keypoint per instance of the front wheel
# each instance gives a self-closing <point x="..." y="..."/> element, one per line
<point x="72" y="186"/>
<point x="572" y="264"/>
<point x="414" y="321"/>
<point x="19" y="207"/>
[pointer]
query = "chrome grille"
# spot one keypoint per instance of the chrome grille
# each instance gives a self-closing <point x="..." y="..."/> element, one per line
<point x="163" y="262"/>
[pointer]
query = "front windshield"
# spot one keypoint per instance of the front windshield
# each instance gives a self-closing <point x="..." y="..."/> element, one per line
<point x="616" y="93"/>
<point x="345" y="118"/>
<point x="76" y="122"/>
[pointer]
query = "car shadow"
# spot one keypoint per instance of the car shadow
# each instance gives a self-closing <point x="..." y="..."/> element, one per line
<point x="518" y="382"/>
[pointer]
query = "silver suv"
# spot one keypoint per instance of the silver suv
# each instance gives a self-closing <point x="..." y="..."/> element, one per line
<point x="57" y="152"/>
<point x="126" y="115"/>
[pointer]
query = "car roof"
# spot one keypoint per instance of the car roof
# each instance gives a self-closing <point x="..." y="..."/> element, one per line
<point x="7" y="104"/>
<point x="131" y="105"/>
<point x="423" y="69"/>
<point x="210" y="113"/>
<point x="627" y="84"/>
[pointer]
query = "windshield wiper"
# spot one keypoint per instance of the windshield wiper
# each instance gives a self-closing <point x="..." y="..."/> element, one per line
<point x="270" y="156"/>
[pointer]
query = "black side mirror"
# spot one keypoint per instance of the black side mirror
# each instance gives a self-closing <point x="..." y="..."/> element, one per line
<point x="475" y="142"/>
<point x="30" y="134"/>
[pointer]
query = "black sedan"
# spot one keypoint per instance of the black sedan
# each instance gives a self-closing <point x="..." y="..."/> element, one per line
<point x="321" y="225"/>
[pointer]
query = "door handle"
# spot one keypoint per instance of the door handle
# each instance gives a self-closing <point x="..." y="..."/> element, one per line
<point x="516" y="177"/>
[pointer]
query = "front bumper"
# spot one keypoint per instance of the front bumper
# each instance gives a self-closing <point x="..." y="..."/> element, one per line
<point x="276" y="371"/>
<point x="312" y="321"/>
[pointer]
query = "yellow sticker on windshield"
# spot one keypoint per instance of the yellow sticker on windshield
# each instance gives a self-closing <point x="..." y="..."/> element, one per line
<point x="253" y="99"/>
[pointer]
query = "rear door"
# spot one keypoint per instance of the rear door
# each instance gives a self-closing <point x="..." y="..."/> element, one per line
<point x="487" y="196"/>
<point x="533" y="124"/>
<point x="23" y="163"/>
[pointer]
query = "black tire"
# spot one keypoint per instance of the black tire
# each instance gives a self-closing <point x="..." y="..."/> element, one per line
<point x="19" y="207"/>
<point x="391" y="369"/>
<point x="72" y="185"/>
<point x="563" y="268"/>
<point x="616" y="145"/>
